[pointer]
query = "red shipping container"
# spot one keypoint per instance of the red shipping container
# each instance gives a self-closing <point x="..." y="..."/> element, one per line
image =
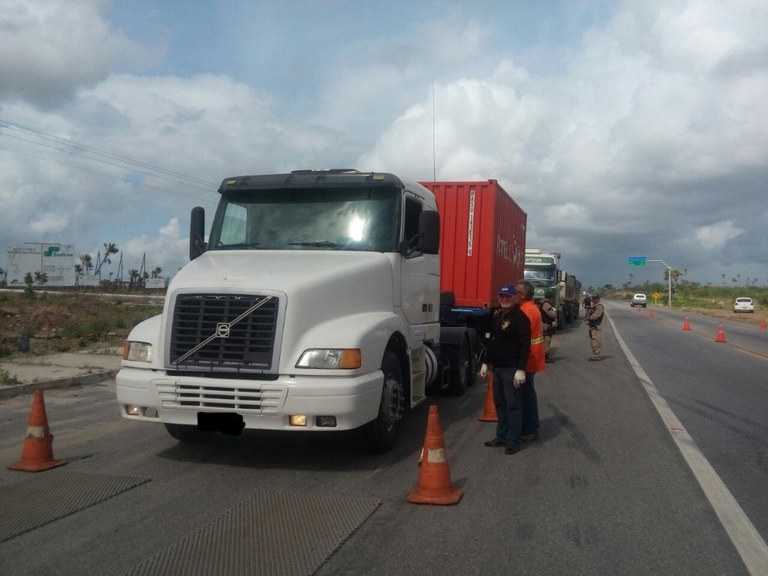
<point x="482" y="240"/>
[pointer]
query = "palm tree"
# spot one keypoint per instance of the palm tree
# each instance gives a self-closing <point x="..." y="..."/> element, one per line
<point x="109" y="249"/>
<point x="87" y="262"/>
<point x="133" y="278"/>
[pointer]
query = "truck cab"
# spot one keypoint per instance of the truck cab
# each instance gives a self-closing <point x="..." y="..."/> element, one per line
<point x="544" y="271"/>
<point x="313" y="305"/>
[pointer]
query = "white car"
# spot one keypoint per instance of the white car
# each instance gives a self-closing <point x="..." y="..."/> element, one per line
<point x="639" y="300"/>
<point x="743" y="304"/>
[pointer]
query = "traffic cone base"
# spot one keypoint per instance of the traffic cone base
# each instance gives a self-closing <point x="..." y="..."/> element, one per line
<point x="37" y="451"/>
<point x="435" y="485"/>
<point x="489" y="413"/>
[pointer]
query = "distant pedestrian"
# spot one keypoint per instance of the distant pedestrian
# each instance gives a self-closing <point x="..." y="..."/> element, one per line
<point x="594" y="319"/>
<point x="536" y="361"/>
<point x="506" y="356"/>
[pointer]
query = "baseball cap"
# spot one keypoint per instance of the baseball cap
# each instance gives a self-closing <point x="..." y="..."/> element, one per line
<point x="507" y="290"/>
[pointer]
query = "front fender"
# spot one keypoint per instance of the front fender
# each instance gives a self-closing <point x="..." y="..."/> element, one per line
<point x="370" y="332"/>
<point x="148" y="331"/>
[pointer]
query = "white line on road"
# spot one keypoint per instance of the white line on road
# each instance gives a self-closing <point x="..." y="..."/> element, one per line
<point x="749" y="544"/>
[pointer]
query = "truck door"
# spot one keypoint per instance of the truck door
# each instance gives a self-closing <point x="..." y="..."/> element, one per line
<point x="420" y="280"/>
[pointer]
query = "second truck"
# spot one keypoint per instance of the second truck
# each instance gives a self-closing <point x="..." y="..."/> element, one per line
<point x="324" y="300"/>
<point x="563" y="290"/>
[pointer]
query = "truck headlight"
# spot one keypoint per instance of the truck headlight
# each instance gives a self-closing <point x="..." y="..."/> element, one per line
<point x="331" y="358"/>
<point x="137" y="351"/>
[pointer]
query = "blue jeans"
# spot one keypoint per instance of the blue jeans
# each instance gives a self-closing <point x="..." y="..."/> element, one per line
<point x="508" y="404"/>
<point x="530" y="405"/>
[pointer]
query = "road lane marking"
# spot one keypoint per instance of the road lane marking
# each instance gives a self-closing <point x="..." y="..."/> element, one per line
<point x="750" y="545"/>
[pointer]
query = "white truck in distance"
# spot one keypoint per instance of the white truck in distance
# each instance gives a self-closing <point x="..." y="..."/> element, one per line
<point x="314" y="305"/>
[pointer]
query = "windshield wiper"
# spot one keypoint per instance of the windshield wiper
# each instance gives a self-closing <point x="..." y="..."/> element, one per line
<point x="241" y="246"/>
<point x="318" y="243"/>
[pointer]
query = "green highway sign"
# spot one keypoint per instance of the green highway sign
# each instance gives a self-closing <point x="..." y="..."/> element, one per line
<point x="637" y="260"/>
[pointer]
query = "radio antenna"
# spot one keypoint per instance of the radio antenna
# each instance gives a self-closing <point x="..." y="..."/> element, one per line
<point x="434" y="161"/>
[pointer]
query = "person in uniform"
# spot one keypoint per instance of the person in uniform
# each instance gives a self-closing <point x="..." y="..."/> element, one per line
<point x="593" y="319"/>
<point x="548" y="319"/>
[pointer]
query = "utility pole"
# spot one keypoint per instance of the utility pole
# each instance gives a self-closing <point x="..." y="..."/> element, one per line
<point x="669" y="281"/>
<point x="641" y="261"/>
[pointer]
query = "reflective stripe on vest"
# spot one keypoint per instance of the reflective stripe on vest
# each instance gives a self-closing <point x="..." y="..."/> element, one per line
<point x="538" y="340"/>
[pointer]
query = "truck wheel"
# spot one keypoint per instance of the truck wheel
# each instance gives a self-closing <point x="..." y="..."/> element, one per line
<point x="383" y="431"/>
<point x="462" y="373"/>
<point x="185" y="432"/>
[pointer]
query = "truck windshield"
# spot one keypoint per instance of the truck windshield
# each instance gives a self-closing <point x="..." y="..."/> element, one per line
<point x="541" y="276"/>
<point x="364" y="219"/>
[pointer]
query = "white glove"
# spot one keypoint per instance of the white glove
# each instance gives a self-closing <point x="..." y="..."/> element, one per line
<point x="554" y="323"/>
<point x="484" y="370"/>
<point x="519" y="379"/>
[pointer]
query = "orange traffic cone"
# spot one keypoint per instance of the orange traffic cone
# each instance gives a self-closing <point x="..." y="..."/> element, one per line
<point x="686" y="324"/>
<point x="435" y="485"/>
<point x="763" y="325"/>
<point x="650" y="313"/>
<point x="489" y="414"/>
<point x="720" y="334"/>
<point x="37" y="453"/>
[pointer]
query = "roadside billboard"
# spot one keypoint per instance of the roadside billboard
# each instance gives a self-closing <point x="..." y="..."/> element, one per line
<point x="56" y="261"/>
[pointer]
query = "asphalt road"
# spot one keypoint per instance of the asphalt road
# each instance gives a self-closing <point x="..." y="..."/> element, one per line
<point x="717" y="389"/>
<point x="606" y="490"/>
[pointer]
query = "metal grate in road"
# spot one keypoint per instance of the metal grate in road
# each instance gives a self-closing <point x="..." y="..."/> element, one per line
<point x="266" y="534"/>
<point x="54" y="494"/>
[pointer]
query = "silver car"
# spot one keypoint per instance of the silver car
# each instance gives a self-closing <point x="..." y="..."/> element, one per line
<point x="639" y="300"/>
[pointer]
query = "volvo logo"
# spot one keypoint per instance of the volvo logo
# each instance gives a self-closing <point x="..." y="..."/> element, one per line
<point x="222" y="330"/>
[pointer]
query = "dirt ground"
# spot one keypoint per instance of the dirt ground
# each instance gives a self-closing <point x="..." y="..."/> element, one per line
<point x="67" y="323"/>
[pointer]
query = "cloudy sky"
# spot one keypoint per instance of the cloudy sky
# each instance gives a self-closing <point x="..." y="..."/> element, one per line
<point x="623" y="128"/>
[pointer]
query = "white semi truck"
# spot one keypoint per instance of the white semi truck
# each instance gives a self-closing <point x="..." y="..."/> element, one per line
<point x="313" y="305"/>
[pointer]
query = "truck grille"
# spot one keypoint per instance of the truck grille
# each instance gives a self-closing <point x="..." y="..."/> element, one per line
<point x="223" y="333"/>
<point x="264" y="399"/>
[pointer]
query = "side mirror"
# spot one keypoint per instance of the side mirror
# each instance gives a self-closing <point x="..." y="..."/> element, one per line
<point x="429" y="228"/>
<point x="196" y="232"/>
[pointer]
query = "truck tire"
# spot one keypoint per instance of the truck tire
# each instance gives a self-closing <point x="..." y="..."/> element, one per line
<point x="383" y="431"/>
<point x="462" y="373"/>
<point x="185" y="432"/>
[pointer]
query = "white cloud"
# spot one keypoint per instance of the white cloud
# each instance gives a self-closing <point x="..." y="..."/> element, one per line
<point x="52" y="48"/>
<point x="717" y="235"/>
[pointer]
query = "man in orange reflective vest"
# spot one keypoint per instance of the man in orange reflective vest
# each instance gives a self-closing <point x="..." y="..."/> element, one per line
<point x="536" y="361"/>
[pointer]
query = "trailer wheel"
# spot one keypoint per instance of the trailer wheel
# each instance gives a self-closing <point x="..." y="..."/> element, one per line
<point x="383" y="431"/>
<point x="185" y="432"/>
